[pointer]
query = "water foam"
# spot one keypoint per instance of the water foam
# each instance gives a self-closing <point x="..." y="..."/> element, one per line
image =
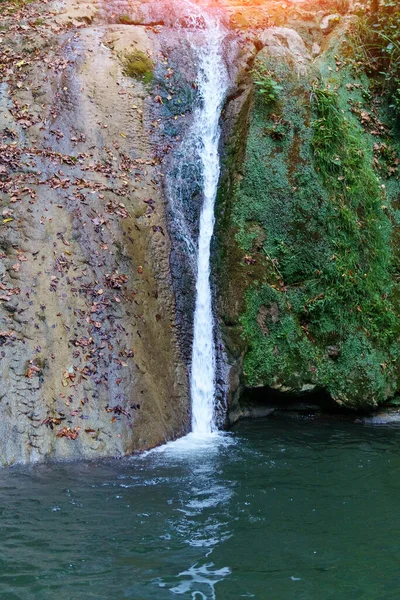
<point x="212" y="85"/>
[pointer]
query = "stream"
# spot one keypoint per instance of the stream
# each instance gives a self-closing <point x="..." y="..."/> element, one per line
<point x="213" y="83"/>
<point x="280" y="511"/>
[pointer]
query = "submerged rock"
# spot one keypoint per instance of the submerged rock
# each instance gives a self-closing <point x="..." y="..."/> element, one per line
<point x="390" y="416"/>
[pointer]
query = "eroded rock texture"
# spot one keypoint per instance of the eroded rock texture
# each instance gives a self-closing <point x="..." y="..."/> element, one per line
<point x="90" y="358"/>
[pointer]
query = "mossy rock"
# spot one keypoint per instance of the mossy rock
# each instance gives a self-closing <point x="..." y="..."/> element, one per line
<point x="126" y="20"/>
<point x="313" y="221"/>
<point x="138" y="65"/>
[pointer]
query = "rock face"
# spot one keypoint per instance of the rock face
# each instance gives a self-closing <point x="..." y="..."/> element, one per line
<point x="90" y="360"/>
<point x="285" y="45"/>
<point x="307" y="264"/>
<point x="96" y="290"/>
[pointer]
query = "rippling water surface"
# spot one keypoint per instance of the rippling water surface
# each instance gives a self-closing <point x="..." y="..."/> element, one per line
<point x="276" y="511"/>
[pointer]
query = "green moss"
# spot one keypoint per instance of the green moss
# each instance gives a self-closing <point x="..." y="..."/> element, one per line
<point x="315" y="228"/>
<point x="15" y="3"/>
<point x="125" y="20"/>
<point x="138" y="65"/>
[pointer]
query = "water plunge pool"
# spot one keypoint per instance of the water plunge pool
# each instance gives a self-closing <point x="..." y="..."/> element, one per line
<point x="279" y="510"/>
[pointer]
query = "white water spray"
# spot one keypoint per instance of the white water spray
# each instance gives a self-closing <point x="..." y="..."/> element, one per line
<point x="212" y="84"/>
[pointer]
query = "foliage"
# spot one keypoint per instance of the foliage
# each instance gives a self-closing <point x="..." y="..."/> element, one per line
<point x="360" y="273"/>
<point x="11" y="6"/>
<point x="314" y="226"/>
<point x="377" y="43"/>
<point x="138" y="65"/>
<point x="265" y="85"/>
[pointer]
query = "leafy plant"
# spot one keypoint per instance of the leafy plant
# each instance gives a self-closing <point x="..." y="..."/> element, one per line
<point x="377" y="44"/>
<point x="265" y="85"/>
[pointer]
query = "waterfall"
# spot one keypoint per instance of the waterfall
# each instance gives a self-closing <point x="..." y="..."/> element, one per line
<point x="212" y="85"/>
<point x="194" y="177"/>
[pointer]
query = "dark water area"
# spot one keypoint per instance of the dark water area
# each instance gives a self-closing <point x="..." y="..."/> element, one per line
<point x="284" y="511"/>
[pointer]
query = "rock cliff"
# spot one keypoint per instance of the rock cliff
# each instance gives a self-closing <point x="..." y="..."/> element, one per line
<point x="96" y="284"/>
<point x="90" y="360"/>
<point x="308" y="261"/>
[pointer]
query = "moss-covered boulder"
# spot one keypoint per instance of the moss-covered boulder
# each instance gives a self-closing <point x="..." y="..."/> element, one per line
<point x="308" y="229"/>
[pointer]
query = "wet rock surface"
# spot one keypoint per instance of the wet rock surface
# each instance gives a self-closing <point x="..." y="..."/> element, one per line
<point x="90" y="358"/>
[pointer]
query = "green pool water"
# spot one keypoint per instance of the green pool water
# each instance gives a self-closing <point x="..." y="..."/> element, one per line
<point x="277" y="510"/>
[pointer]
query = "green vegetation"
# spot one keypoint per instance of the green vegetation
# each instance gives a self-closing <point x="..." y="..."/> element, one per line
<point x="360" y="269"/>
<point x="265" y="86"/>
<point x="13" y="5"/>
<point x="138" y="65"/>
<point x="125" y="20"/>
<point x="315" y="227"/>
<point x="377" y="36"/>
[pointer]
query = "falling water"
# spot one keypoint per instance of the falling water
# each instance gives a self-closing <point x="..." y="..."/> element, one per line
<point x="212" y="85"/>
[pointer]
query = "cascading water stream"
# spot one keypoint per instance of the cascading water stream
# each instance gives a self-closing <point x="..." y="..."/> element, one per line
<point x="212" y="84"/>
<point x="193" y="178"/>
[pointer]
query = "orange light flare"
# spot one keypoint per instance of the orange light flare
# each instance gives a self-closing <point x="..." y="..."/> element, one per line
<point x="248" y="13"/>
<point x="275" y="4"/>
<point x="244" y="14"/>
